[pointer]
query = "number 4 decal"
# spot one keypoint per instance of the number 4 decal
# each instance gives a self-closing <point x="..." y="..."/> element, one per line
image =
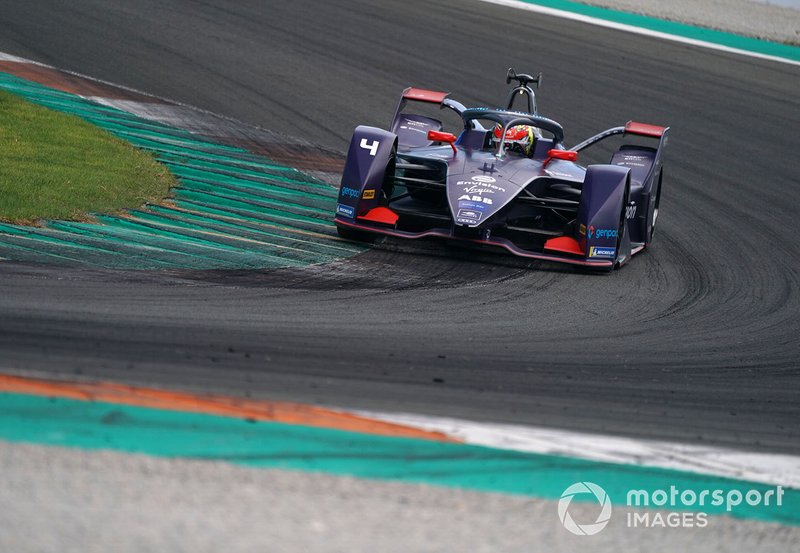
<point x="371" y="146"/>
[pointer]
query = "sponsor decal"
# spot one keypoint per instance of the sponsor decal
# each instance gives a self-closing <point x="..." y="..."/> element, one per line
<point x="483" y="178"/>
<point x="630" y="211"/>
<point x="560" y="174"/>
<point x="471" y="187"/>
<point x="468" y="216"/>
<point x="410" y="126"/>
<point x="597" y="251"/>
<point x="634" y="161"/>
<point x="372" y="147"/>
<point x="347" y="192"/>
<point x="423" y="131"/>
<point x="487" y="201"/>
<point x="602" y="233"/>
<point x="346" y="210"/>
<point x="606" y="233"/>
<point x="582" y="229"/>
<point x="477" y="190"/>
<point x="368" y="195"/>
<point x="471" y="205"/>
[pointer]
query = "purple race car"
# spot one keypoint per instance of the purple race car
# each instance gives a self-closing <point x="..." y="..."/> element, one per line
<point x="506" y="181"/>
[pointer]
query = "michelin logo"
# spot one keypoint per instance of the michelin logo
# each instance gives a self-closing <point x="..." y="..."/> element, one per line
<point x="346" y="210"/>
<point x="596" y="251"/>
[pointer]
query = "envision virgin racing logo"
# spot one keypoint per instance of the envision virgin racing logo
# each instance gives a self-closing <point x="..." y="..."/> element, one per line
<point x="473" y="187"/>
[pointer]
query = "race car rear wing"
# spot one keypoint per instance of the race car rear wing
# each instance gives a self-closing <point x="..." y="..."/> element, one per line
<point x="630" y="128"/>
<point x="412" y="129"/>
<point x="643" y="129"/>
<point x="412" y="94"/>
<point x="422" y="95"/>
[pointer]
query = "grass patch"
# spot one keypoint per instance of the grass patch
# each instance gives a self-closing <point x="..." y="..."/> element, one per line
<point x="58" y="166"/>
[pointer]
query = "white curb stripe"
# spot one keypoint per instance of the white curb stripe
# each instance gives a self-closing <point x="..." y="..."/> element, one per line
<point x="637" y="30"/>
<point x="775" y="469"/>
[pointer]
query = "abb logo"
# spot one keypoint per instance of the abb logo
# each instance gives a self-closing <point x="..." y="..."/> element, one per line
<point x="487" y="201"/>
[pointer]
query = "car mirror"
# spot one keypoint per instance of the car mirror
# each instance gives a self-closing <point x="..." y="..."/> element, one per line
<point x="566" y="155"/>
<point x="439" y="136"/>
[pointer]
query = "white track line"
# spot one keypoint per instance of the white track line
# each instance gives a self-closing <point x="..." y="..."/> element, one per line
<point x="740" y="465"/>
<point x="633" y="29"/>
<point x="9" y="57"/>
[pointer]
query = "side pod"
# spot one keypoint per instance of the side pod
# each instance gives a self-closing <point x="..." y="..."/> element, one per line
<point x="369" y="159"/>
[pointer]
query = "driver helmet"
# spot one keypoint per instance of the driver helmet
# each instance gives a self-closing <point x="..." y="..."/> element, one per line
<point x="518" y="139"/>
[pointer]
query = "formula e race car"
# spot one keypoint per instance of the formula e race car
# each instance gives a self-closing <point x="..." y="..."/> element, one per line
<point x="506" y="181"/>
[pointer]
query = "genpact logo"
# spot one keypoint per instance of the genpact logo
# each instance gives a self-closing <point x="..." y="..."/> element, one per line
<point x="603" y="233"/>
<point x="606" y="233"/>
<point x="599" y="494"/>
<point x="350" y="192"/>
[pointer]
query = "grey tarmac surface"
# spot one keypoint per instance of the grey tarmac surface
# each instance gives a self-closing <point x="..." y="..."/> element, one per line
<point x="695" y="340"/>
<point x="56" y="499"/>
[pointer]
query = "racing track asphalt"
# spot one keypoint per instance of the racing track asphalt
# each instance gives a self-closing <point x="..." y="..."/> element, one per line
<point x="695" y="340"/>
